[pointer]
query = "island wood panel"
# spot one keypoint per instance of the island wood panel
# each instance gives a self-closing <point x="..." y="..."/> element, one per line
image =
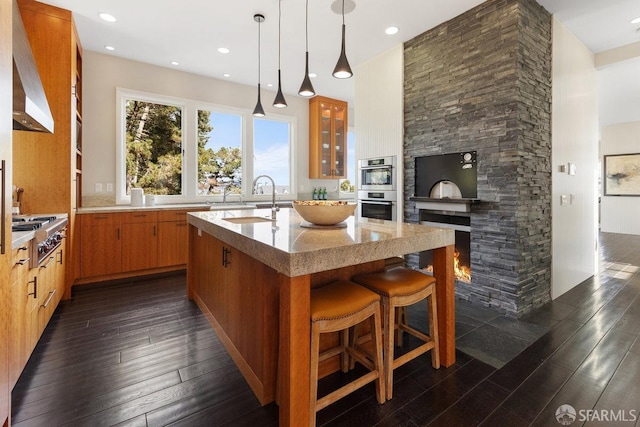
<point x="244" y="316"/>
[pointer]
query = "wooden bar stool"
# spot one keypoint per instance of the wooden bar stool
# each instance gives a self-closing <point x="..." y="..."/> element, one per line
<point x="400" y="287"/>
<point x="338" y="307"/>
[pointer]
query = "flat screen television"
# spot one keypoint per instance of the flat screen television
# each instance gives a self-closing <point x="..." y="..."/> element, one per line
<point x="459" y="168"/>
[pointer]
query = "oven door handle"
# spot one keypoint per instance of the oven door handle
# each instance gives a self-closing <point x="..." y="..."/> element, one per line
<point x="364" y="168"/>
<point x="375" y="202"/>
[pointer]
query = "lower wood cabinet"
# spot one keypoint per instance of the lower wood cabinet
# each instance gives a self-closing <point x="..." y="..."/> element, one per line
<point x="128" y="243"/>
<point x="35" y="294"/>
<point x="100" y="245"/>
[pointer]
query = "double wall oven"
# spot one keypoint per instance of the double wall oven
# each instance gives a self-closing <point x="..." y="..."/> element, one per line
<point x="377" y="194"/>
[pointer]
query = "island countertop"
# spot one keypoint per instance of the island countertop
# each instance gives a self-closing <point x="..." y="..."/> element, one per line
<point x="294" y="250"/>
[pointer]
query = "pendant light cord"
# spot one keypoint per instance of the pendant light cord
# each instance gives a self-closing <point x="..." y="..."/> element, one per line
<point x="279" y="19"/>
<point x="306" y="26"/>
<point x="259" y="24"/>
<point x="342" y="12"/>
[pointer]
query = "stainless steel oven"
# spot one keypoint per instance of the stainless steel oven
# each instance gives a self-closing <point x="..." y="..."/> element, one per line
<point x="377" y="174"/>
<point x="377" y="204"/>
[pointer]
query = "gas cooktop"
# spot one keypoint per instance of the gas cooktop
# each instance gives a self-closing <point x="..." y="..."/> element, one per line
<point x="31" y="222"/>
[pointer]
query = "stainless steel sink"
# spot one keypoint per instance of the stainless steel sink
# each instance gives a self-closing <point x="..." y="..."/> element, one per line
<point x="247" y="219"/>
<point x="231" y="206"/>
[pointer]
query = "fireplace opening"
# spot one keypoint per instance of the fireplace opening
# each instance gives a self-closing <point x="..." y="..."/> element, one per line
<point x="461" y="223"/>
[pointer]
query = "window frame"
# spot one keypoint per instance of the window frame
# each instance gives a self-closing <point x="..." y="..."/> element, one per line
<point x="190" y="165"/>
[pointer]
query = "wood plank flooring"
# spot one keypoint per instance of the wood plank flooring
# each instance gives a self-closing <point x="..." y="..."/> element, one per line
<point x="138" y="353"/>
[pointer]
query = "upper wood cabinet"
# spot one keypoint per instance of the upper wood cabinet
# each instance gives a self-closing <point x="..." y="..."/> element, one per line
<point x="328" y="126"/>
<point x="48" y="165"/>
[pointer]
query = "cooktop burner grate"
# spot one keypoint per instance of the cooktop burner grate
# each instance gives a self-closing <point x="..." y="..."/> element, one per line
<point x="27" y="225"/>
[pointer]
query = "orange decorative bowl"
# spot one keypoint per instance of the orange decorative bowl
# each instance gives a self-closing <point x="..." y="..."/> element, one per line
<point x="324" y="212"/>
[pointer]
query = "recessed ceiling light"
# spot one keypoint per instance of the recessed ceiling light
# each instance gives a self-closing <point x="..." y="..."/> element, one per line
<point x="269" y="84"/>
<point x="313" y="75"/>
<point x="109" y="47"/>
<point x="636" y="21"/>
<point x="107" y="17"/>
<point x="223" y="50"/>
<point x="227" y="75"/>
<point x="391" y="30"/>
<point x="175" y="63"/>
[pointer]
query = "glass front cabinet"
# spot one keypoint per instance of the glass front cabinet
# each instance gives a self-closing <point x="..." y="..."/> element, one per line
<point x="328" y="127"/>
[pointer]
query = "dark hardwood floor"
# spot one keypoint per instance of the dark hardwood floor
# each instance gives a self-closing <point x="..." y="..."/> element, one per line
<point x="140" y="354"/>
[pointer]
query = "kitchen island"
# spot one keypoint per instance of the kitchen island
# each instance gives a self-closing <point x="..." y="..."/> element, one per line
<point x="252" y="279"/>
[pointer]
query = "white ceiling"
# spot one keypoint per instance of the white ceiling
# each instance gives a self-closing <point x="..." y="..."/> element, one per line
<point x="191" y="31"/>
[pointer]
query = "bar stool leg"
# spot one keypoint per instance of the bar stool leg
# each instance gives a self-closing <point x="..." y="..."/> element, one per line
<point x="389" y="327"/>
<point x="313" y="386"/>
<point x="433" y="328"/>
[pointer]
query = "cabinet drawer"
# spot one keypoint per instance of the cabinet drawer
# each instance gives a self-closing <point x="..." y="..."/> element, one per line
<point x="139" y="217"/>
<point x="167" y="216"/>
<point x="91" y="220"/>
<point x="19" y="262"/>
<point x="177" y="215"/>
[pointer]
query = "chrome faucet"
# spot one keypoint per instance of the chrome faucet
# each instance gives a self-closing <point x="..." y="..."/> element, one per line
<point x="274" y="208"/>
<point x="225" y="191"/>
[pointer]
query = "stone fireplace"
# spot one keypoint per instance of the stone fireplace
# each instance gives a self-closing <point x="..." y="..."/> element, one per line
<point x="482" y="82"/>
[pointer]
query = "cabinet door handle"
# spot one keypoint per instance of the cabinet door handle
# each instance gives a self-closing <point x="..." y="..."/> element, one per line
<point x="154" y="231"/>
<point x="35" y="287"/>
<point x="100" y="217"/>
<point x="48" y="262"/>
<point x="46" y="303"/>
<point x="118" y="233"/>
<point x="139" y="215"/>
<point x="225" y="257"/>
<point x="3" y="225"/>
<point x="22" y="248"/>
<point x="60" y="260"/>
<point x="23" y="261"/>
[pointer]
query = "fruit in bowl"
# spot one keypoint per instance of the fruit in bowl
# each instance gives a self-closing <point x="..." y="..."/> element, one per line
<point x="324" y="212"/>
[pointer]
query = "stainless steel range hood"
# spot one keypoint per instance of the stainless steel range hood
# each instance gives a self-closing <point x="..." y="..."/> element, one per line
<point x="30" y="107"/>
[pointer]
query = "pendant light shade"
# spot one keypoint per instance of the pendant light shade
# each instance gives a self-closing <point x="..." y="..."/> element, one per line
<point x="342" y="70"/>
<point x="307" y="88"/>
<point x="258" y="111"/>
<point x="279" y="101"/>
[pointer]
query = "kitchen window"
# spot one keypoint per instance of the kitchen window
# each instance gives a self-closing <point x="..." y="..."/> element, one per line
<point x="272" y="153"/>
<point x="192" y="151"/>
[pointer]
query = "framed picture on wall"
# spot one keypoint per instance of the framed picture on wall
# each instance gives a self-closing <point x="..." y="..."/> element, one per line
<point x="622" y="175"/>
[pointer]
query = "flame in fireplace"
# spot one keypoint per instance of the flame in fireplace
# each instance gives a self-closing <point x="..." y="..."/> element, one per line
<point x="462" y="272"/>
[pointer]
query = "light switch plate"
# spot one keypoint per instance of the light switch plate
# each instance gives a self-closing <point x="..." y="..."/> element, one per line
<point x="98" y="187"/>
<point x="109" y="187"/>
<point x="563" y="199"/>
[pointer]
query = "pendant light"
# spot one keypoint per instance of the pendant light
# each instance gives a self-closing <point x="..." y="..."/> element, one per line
<point x="342" y="70"/>
<point x="307" y="88"/>
<point x="279" y="102"/>
<point x="258" y="111"/>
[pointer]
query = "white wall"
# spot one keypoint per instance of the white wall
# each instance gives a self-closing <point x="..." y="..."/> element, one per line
<point x="574" y="140"/>
<point x="619" y="214"/>
<point x="379" y="114"/>
<point x="103" y="73"/>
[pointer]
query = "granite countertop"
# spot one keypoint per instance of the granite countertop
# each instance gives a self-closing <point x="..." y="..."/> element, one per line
<point x="293" y="250"/>
<point x="129" y="208"/>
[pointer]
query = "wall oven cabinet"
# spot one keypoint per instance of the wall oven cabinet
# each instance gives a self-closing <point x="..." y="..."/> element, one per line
<point x="328" y="126"/>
